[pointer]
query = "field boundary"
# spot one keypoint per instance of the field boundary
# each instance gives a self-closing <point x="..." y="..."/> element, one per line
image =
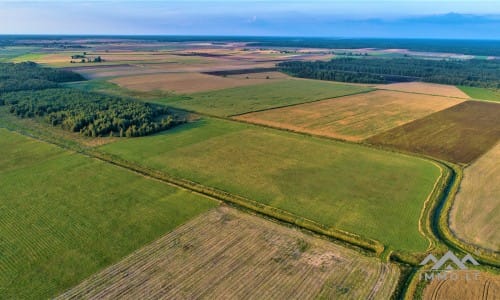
<point x="369" y="90"/>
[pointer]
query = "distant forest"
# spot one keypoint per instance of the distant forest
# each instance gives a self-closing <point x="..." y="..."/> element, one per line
<point x="469" y="47"/>
<point x="476" y="73"/>
<point x="30" y="91"/>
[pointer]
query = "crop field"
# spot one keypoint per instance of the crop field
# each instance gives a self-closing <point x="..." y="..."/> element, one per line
<point x="134" y="69"/>
<point x="425" y="88"/>
<point x="64" y="216"/>
<point x="487" y="287"/>
<point x="11" y="53"/>
<point x="184" y="82"/>
<point x="475" y="216"/>
<point x="458" y="134"/>
<point x="355" y="117"/>
<point x="481" y="93"/>
<point x="346" y="186"/>
<point x="226" y="254"/>
<point x="246" y="99"/>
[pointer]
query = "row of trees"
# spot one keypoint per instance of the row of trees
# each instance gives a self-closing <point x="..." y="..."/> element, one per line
<point x="479" y="73"/>
<point x="31" y="76"/>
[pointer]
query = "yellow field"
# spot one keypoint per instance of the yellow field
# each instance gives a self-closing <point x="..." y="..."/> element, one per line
<point x="475" y="216"/>
<point x="425" y="88"/>
<point x="184" y="82"/>
<point x="487" y="287"/>
<point x="227" y="254"/>
<point x="353" y="118"/>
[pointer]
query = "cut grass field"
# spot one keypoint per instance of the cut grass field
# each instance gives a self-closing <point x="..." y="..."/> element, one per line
<point x="246" y="99"/>
<point x="372" y="193"/>
<point x="226" y="254"/>
<point x="352" y="118"/>
<point x="486" y="287"/>
<point x="481" y="93"/>
<point x="459" y="134"/>
<point x="64" y="216"/>
<point x="184" y="82"/>
<point x="475" y="215"/>
<point x="425" y="88"/>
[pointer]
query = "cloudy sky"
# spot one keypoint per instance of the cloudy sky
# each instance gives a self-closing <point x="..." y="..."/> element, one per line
<point x="353" y="18"/>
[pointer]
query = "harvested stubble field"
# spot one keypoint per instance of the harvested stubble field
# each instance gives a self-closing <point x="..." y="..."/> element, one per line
<point x="102" y="71"/>
<point x="184" y="82"/>
<point x="475" y="216"/>
<point x="64" y="216"/>
<point x="425" y="88"/>
<point x="355" y="117"/>
<point x="226" y="254"/>
<point x="340" y="185"/>
<point x="459" y="134"/>
<point x="487" y="287"/>
<point x="246" y="99"/>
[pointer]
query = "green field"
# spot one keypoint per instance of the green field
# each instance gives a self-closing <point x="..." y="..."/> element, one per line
<point x="64" y="216"/>
<point x="245" y="99"/>
<point x="10" y="53"/>
<point x="369" y="192"/>
<point x="481" y="93"/>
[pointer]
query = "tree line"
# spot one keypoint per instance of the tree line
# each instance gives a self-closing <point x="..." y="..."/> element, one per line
<point x="30" y="91"/>
<point x="31" y="76"/>
<point x="477" y="73"/>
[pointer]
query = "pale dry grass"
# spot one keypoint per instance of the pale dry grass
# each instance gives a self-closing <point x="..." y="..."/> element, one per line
<point x="355" y="117"/>
<point x="475" y="215"/>
<point x="184" y="82"/>
<point x="486" y="287"/>
<point x="425" y="88"/>
<point x="226" y="254"/>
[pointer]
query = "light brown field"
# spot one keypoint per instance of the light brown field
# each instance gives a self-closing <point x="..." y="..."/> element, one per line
<point x="184" y="82"/>
<point x="354" y="117"/>
<point x="227" y="254"/>
<point x="475" y="215"/>
<point x="487" y="287"/>
<point x="425" y="88"/>
<point x="208" y="65"/>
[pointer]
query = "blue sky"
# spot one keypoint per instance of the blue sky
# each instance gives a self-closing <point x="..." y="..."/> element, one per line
<point x="354" y="18"/>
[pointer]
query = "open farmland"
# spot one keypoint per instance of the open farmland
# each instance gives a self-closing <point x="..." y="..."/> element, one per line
<point x="458" y="134"/>
<point x="475" y="216"/>
<point x="487" y="287"/>
<point x="355" y="117"/>
<point x="340" y="185"/>
<point x="183" y="82"/>
<point x="482" y="93"/>
<point x="64" y="216"/>
<point x="226" y="254"/>
<point x="246" y="99"/>
<point x="425" y="88"/>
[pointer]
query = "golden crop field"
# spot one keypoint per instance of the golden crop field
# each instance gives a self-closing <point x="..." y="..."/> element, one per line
<point x="226" y="254"/>
<point x="184" y="82"/>
<point x="425" y="88"/>
<point x="486" y="287"/>
<point x="355" y="117"/>
<point x="475" y="216"/>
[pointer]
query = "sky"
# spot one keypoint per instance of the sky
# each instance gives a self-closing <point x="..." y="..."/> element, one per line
<point x="354" y="18"/>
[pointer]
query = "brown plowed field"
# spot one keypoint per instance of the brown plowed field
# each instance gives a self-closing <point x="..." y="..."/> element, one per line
<point x="226" y="254"/>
